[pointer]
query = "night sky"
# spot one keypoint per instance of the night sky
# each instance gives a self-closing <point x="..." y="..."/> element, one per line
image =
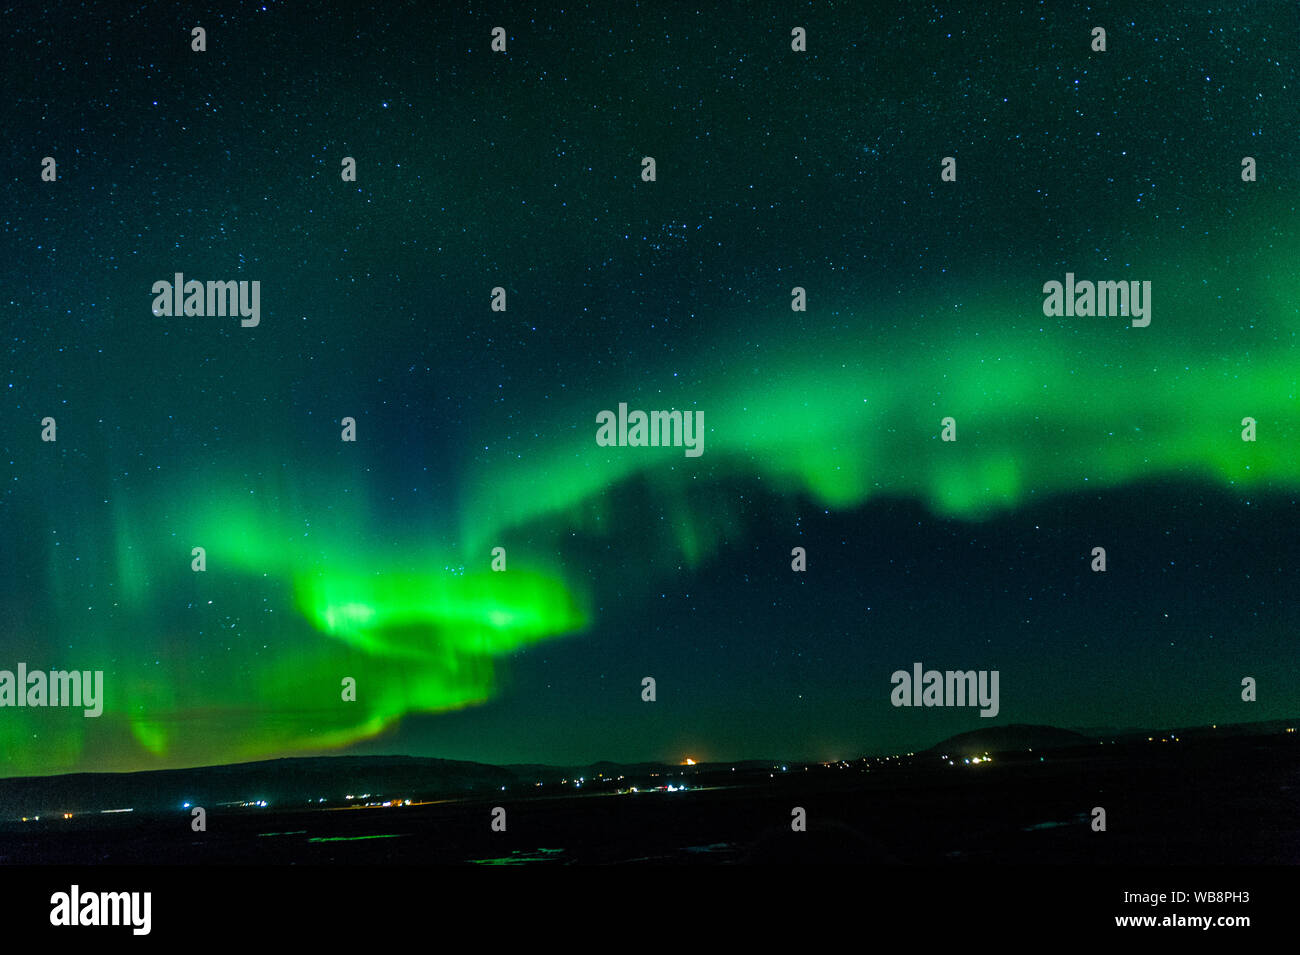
<point x="476" y="428"/>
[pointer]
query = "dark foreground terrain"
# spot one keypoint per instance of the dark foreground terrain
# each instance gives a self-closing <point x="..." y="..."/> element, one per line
<point x="1206" y="801"/>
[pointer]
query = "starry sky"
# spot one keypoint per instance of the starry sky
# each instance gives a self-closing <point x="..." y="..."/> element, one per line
<point x="475" y="428"/>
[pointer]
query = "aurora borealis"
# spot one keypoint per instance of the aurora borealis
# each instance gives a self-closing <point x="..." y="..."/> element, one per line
<point x="475" y="429"/>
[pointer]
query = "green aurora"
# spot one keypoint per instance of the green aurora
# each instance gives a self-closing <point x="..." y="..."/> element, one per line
<point x="1041" y="409"/>
<point x="1043" y="406"/>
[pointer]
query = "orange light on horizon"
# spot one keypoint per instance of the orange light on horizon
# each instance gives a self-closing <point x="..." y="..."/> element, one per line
<point x="688" y="761"/>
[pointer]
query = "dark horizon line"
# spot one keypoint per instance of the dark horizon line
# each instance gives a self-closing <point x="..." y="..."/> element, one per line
<point x="1094" y="733"/>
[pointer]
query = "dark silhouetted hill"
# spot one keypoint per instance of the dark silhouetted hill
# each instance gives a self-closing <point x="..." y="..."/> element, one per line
<point x="1015" y="737"/>
<point x="281" y="782"/>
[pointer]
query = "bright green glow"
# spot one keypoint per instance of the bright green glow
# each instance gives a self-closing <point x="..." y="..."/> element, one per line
<point x="306" y="584"/>
<point x="222" y="676"/>
<point x="150" y="734"/>
<point x="438" y="616"/>
<point x="1043" y="406"/>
